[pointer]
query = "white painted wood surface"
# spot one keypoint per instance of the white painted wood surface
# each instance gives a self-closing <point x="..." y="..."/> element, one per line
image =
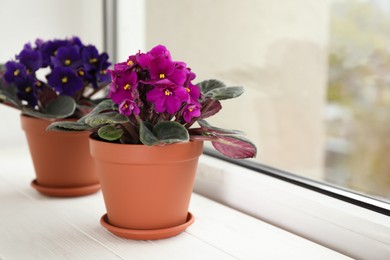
<point x="33" y="226"/>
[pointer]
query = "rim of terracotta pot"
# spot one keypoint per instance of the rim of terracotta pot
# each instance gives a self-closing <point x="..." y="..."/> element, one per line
<point x="140" y="153"/>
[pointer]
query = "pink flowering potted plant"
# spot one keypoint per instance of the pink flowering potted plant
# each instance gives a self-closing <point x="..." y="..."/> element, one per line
<point x="50" y="81"/>
<point x="146" y="145"/>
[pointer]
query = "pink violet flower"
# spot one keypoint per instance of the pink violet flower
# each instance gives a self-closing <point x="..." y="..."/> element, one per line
<point x="152" y="80"/>
<point x="128" y="107"/>
<point x="190" y="111"/>
<point x="123" y="86"/>
<point x="167" y="97"/>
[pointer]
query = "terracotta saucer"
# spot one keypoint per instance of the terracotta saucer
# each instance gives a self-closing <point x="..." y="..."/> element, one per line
<point x="65" y="192"/>
<point x="139" y="234"/>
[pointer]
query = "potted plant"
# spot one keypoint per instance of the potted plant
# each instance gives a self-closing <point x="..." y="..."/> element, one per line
<point x="50" y="81"/>
<point x="146" y="147"/>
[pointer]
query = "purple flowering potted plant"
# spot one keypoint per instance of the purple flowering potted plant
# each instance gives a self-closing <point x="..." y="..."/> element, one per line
<point x="146" y="145"/>
<point x="50" y="81"/>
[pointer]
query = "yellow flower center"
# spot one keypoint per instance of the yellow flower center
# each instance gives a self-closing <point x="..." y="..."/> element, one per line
<point x="16" y="72"/>
<point x="28" y="89"/>
<point x="38" y="84"/>
<point x="103" y="72"/>
<point x="67" y="62"/>
<point x="162" y="76"/>
<point x="127" y="87"/>
<point x="81" y="72"/>
<point x="64" y="80"/>
<point x="167" y="93"/>
<point x="130" y="63"/>
<point x="188" y="90"/>
<point x="93" y="60"/>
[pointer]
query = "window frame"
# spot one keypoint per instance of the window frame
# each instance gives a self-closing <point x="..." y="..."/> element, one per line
<point x="347" y="224"/>
<point x="337" y="192"/>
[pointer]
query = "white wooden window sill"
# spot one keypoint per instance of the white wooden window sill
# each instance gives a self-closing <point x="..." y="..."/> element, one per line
<point x="36" y="227"/>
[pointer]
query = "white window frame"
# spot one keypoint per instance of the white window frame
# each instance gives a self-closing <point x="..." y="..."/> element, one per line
<point x="342" y="226"/>
<point x="350" y="229"/>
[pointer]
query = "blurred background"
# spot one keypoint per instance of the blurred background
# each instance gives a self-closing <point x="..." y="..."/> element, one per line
<point x="315" y="72"/>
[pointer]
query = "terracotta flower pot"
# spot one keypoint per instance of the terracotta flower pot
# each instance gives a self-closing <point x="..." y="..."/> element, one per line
<point x="146" y="189"/>
<point x="62" y="161"/>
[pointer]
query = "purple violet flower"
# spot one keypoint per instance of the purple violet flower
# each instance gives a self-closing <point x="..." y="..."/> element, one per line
<point x="90" y="56"/>
<point x="65" y="81"/>
<point x="14" y="72"/>
<point x="67" y="56"/>
<point x="49" y="49"/>
<point x="26" y="91"/>
<point x="31" y="58"/>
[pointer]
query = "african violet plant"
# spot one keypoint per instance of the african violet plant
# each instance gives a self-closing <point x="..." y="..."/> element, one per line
<point x="152" y="101"/>
<point x="75" y="72"/>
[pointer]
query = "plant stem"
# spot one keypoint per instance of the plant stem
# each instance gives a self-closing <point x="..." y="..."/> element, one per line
<point x="131" y="131"/>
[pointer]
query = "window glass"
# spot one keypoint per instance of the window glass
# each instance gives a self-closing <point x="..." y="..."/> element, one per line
<point x="315" y="73"/>
<point x="358" y="96"/>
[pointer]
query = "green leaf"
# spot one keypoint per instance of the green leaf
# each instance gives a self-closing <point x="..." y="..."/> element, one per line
<point x="110" y="132"/>
<point x="8" y="93"/>
<point x="104" y="105"/>
<point x="209" y="128"/>
<point x="106" y="118"/>
<point x="163" y="133"/>
<point x="208" y="85"/>
<point x="62" y="106"/>
<point x="68" y="126"/>
<point x="225" y="93"/>
<point x="6" y="96"/>
<point x="147" y="136"/>
<point x="171" y="132"/>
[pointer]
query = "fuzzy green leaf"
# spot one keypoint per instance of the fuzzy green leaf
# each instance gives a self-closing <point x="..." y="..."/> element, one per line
<point x="208" y="85"/>
<point x="212" y="129"/>
<point x="104" y="105"/>
<point x="9" y="97"/>
<point x="225" y="93"/>
<point x="62" y="106"/>
<point x="106" y="118"/>
<point x="147" y="136"/>
<point x="68" y="126"/>
<point x="163" y="133"/>
<point x="110" y="132"/>
<point x="8" y="93"/>
<point x="171" y="132"/>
